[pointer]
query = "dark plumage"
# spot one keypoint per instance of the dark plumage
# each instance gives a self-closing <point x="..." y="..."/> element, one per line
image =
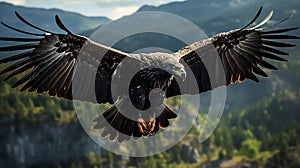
<point x="51" y="61"/>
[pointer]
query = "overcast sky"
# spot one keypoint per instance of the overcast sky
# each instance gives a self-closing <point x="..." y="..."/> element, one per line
<point x="113" y="9"/>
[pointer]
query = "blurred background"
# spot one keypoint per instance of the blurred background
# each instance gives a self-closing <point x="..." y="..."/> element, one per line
<point x="260" y="126"/>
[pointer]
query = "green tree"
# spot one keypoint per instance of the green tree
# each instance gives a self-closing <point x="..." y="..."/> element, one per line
<point x="250" y="148"/>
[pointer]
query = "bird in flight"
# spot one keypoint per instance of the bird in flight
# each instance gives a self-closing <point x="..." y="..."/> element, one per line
<point x="48" y="63"/>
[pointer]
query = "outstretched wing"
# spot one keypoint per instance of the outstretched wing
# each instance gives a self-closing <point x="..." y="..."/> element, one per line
<point x="48" y="62"/>
<point x="233" y="56"/>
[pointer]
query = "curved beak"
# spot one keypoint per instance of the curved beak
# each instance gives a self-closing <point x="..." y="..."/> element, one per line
<point x="182" y="74"/>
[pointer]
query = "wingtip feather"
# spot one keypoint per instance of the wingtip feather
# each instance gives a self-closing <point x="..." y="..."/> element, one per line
<point x="253" y="20"/>
<point x="17" y="14"/>
<point x="61" y="25"/>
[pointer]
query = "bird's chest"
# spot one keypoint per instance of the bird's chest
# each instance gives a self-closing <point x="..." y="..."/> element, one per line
<point x="145" y="91"/>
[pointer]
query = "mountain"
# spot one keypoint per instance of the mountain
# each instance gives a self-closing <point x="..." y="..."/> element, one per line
<point x="218" y="15"/>
<point x="44" y="18"/>
<point x="190" y="9"/>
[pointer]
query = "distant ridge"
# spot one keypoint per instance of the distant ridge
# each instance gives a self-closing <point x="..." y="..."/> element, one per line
<point x="218" y="15"/>
<point x="43" y="18"/>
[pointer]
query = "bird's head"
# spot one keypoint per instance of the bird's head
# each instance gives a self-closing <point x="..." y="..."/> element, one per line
<point x="179" y="71"/>
<point x="166" y="62"/>
<point x="172" y="65"/>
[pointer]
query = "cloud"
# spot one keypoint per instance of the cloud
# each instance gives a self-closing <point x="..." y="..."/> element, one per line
<point x="121" y="11"/>
<point x="17" y="2"/>
<point x="238" y="3"/>
<point x="119" y="8"/>
<point x="113" y="9"/>
<point x="127" y="7"/>
<point x="125" y="3"/>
